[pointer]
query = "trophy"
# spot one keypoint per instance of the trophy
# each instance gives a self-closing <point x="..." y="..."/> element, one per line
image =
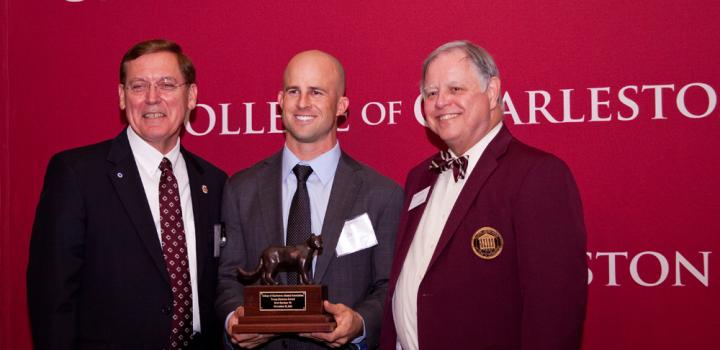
<point x="274" y="308"/>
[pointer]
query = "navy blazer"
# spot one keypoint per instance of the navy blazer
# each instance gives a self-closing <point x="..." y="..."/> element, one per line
<point x="96" y="277"/>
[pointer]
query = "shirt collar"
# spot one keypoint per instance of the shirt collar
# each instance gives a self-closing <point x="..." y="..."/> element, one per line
<point x="477" y="150"/>
<point x="148" y="157"/>
<point x="323" y="166"/>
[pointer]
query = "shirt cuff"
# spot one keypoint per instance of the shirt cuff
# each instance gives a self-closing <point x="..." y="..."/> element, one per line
<point x="228" y="345"/>
<point x="227" y="319"/>
<point x="359" y="342"/>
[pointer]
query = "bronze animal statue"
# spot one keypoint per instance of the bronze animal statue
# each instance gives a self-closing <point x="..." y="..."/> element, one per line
<point x="295" y="257"/>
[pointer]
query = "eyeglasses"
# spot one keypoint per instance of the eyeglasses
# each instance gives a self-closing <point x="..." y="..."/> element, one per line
<point x="163" y="86"/>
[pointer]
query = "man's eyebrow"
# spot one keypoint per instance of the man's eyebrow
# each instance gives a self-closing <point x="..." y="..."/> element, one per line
<point x="309" y="88"/>
<point x="317" y="88"/>
<point x="159" y="79"/>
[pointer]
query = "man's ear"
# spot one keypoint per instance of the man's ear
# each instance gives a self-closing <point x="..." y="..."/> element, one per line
<point x="192" y="96"/>
<point x="493" y="92"/>
<point x="281" y="95"/>
<point x="121" y="96"/>
<point x="342" y="105"/>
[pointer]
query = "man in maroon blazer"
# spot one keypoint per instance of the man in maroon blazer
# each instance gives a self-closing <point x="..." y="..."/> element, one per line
<point x="490" y="253"/>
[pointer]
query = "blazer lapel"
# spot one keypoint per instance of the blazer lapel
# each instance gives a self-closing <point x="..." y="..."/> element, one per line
<point x="269" y="198"/>
<point x="342" y="198"/>
<point x="272" y="205"/>
<point x="200" y="211"/>
<point x="485" y="166"/>
<point x="125" y="178"/>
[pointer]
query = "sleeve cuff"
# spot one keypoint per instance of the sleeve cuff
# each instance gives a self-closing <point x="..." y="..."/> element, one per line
<point x="360" y="342"/>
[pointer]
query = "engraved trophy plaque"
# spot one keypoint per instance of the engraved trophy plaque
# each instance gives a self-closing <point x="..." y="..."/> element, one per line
<point x="274" y="308"/>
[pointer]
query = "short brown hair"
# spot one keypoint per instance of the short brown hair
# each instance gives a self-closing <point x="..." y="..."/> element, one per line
<point x="159" y="45"/>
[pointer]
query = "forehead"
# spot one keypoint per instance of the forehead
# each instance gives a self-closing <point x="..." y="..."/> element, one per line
<point x="157" y="64"/>
<point x="312" y="71"/>
<point x="452" y="65"/>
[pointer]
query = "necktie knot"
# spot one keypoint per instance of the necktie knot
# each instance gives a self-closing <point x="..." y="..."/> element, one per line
<point x="302" y="172"/>
<point x="445" y="161"/>
<point x="165" y="165"/>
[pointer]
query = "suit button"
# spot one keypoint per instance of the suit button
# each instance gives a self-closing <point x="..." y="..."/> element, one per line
<point x="165" y="311"/>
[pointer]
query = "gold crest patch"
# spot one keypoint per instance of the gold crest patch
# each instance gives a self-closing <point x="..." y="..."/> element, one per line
<point x="487" y="243"/>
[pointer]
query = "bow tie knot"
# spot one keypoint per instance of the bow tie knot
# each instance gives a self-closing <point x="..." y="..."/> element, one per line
<point x="445" y="161"/>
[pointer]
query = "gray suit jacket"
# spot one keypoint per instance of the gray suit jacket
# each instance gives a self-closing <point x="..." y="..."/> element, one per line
<point x="252" y="213"/>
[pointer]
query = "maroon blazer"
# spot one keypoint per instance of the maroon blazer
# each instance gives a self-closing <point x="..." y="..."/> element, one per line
<point x="533" y="294"/>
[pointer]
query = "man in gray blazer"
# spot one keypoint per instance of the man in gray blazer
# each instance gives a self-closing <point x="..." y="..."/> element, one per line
<point x="344" y="196"/>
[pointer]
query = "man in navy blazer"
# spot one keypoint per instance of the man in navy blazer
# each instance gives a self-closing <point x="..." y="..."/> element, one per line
<point x="490" y="253"/>
<point x="97" y="276"/>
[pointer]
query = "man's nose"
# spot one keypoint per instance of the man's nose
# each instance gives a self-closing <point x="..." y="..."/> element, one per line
<point x="152" y="95"/>
<point x="443" y="99"/>
<point x="303" y="100"/>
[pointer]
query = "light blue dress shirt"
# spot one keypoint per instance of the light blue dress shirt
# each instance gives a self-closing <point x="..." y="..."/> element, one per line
<point x="319" y="185"/>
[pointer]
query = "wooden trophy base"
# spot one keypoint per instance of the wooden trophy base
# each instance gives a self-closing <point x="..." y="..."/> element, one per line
<point x="285" y="309"/>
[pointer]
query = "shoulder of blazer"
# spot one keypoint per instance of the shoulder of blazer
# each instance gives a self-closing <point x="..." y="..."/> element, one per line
<point x="86" y="159"/>
<point x="261" y="169"/>
<point x="367" y="173"/>
<point x="202" y="166"/>
<point x="510" y="150"/>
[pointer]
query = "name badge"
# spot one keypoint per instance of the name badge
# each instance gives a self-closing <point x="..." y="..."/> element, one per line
<point x="419" y="198"/>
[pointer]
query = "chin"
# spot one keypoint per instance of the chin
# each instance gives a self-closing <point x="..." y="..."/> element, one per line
<point x="447" y="137"/>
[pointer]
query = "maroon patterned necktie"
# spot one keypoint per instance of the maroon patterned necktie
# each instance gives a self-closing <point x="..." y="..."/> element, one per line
<point x="176" y="257"/>
<point x="445" y="161"/>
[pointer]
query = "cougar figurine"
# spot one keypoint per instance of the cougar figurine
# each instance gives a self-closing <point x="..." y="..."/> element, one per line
<point x="299" y="257"/>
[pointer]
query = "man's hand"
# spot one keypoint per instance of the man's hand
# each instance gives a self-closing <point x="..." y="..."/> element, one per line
<point x="244" y="340"/>
<point x="349" y="326"/>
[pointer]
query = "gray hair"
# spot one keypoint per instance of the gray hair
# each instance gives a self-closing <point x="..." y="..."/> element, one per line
<point x="480" y="58"/>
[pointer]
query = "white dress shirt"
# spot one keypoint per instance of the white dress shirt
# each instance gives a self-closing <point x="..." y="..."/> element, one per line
<point x="148" y="159"/>
<point x="441" y="202"/>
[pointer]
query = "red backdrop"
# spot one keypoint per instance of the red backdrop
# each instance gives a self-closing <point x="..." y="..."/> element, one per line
<point x="625" y="92"/>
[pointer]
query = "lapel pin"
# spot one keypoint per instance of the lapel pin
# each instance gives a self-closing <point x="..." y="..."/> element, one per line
<point x="487" y="243"/>
<point x="204" y="189"/>
<point x="120" y="175"/>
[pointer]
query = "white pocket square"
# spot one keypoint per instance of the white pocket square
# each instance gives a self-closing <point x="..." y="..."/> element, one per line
<point x="357" y="234"/>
